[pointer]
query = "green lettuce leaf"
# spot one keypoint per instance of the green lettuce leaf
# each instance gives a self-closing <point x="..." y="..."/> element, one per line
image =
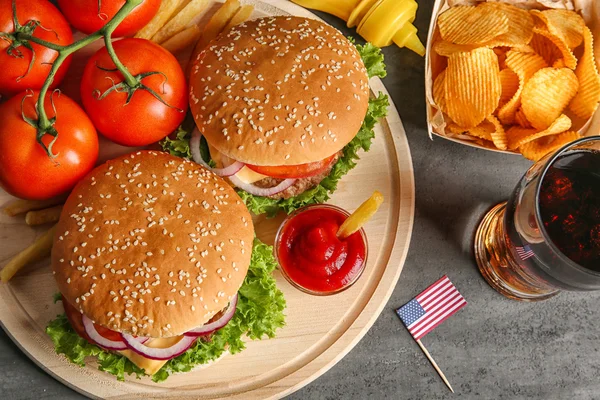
<point x="373" y="59"/>
<point x="374" y="62"/>
<point x="259" y="314"/>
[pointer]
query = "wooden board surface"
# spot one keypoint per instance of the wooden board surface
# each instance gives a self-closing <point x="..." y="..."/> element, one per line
<point x="319" y="330"/>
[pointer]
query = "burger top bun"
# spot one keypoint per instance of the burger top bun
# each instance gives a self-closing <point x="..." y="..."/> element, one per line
<point x="152" y="245"/>
<point x="279" y="91"/>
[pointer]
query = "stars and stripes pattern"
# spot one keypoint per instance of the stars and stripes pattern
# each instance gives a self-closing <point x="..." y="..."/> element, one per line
<point x="524" y="252"/>
<point x="430" y="308"/>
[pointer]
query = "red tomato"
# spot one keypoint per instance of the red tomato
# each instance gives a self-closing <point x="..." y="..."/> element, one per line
<point x="74" y="317"/>
<point x="90" y="15"/>
<point x="25" y="169"/>
<point x="53" y="28"/>
<point x="294" y="171"/>
<point x="145" y="119"/>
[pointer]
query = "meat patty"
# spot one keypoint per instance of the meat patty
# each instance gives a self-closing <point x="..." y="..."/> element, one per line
<point x="301" y="185"/>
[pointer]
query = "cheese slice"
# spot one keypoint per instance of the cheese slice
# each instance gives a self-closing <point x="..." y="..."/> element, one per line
<point x="245" y="174"/>
<point x="151" y="366"/>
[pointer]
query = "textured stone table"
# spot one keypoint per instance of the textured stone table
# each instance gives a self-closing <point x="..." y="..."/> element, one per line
<point x="492" y="349"/>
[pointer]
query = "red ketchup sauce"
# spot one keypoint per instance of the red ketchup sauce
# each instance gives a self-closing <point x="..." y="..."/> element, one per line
<point x="312" y="256"/>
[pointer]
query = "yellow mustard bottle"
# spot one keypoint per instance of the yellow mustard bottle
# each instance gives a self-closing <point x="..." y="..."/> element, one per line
<point x="391" y="21"/>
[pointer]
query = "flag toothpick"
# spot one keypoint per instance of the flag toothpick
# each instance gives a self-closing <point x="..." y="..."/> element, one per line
<point x="432" y="361"/>
<point x="429" y="309"/>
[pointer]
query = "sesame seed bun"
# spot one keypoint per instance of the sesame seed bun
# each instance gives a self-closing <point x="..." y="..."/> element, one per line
<point x="152" y="245"/>
<point x="279" y="91"/>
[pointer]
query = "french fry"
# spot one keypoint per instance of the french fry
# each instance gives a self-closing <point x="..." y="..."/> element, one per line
<point x="217" y="23"/>
<point x="165" y="12"/>
<point x="41" y="217"/>
<point x="22" y="206"/>
<point x="361" y="215"/>
<point x="240" y="16"/>
<point x="40" y="249"/>
<point x="180" y="21"/>
<point x="182" y="39"/>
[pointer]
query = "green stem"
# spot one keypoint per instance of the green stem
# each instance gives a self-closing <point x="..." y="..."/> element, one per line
<point x="44" y="123"/>
<point x="130" y="79"/>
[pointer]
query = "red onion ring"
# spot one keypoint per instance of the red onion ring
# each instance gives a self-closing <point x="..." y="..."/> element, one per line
<point x="100" y="340"/>
<point x="218" y="324"/>
<point x="258" y="191"/>
<point x="159" y="354"/>
<point x="197" y="157"/>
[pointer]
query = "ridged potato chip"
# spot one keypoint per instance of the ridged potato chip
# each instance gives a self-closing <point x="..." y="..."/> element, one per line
<point x="472" y="86"/>
<point x="560" y="63"/>
<point x="438" y="92"/>
<point x="586" y="100"/>
<point x="537" y="149"/>
<point x="499" y="135"/>
<point x="564" y="24"/>
<point x="546" y="94"/>
<point x="524" y="59"/>
<point x="524" y="65"/>
<point x="545" y="48"/>
<point x="520" y="24"/>
<point x="446" y="49"/>
<point x="521" y="119"/>
<point x="482" y="131"/>
<point x="472" y="25"/>
<point x="518" y="136"/>
<point x="566" y="53"/>
<point x="510" y="84"/>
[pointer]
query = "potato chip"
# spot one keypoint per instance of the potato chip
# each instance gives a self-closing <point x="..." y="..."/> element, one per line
<point x="545" y="48"/>
<point x="546" y="95"/>
<point x="481" y="131"/>
<point x="564" y="51"/>
<point x="564" y="24"/>
<point x="499" y="135"/>
<point x="560" y="63"/>
<point x="438" y="92"/>
<point x="446" y="49"/>
<point x="521" y="119"/>
<point x="510" y="85"/>
<point x="520" y="24"/>
<point x="524" y="65"/>
<point x="537" y="149"/>
<point x="518" y="136"/>
<point x="472" y="86"/>
<point x="501" y="54"/>
<point x="472" y="25"/>
<point x="584" y="104"/>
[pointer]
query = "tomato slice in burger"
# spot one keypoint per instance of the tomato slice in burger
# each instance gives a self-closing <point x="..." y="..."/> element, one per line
<point x="294" y="171"/>
<point x="74" y="317"/>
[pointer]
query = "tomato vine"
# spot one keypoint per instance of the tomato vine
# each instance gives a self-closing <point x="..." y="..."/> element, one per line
<point x="23" y="35"/>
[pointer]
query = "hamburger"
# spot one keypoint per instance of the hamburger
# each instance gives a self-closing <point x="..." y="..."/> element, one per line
<point x="281" y="106"/>
<point x="158" y="269"/>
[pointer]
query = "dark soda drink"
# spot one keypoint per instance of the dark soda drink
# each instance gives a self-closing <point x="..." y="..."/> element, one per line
<point x="570" y="207"/>
<point x="546" y="237"/>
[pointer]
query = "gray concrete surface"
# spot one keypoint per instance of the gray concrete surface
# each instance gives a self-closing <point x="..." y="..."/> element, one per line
<point x="492" y="349"/>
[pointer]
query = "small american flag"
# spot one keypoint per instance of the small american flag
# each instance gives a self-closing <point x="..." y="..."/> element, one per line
<point x="432" y="307"/>
<point x="524" y="252"/>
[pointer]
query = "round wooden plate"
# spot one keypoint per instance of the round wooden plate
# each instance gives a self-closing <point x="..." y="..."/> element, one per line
<point x="319" y="330"/>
